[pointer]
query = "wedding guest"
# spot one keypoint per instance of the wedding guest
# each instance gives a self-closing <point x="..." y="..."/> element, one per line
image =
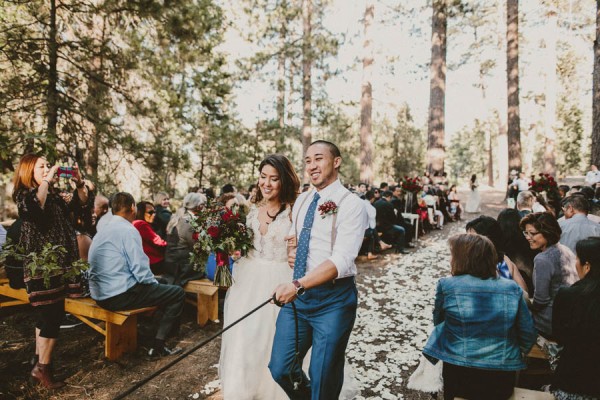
<point x="482" y="324"/>
<point x="392" y="233"/>
<point x="455" y="208"/>
<point x="154" y="246"/>
<point x="525" y="200"/>
<point x="593" y="176"/>
<point x="515" y="245"/>
<point x="563" y="190"/>
<point x="121" y="279"/>
<point x="398" y="203"/>
<point x="44" y="213"/>
<point x="553" y="267"/>
<point x="162" y="202"/>
<point x="228" y="188"/>
<point x="576" y="326"/>
<point x="362" y="190"/>
<point x="576" y="225"/>
<point x="180" y="242"/>
<point x="2" y="235"/>
<point x="100" y="210"/>
<point x="522" y="182"/>
<point x="489" y="227"/>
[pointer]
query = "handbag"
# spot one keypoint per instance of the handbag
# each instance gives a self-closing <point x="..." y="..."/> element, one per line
<point x="427" y="377"/>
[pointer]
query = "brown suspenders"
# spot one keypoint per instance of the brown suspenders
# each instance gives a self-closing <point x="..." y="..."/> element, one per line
<point x="333" y="219"/>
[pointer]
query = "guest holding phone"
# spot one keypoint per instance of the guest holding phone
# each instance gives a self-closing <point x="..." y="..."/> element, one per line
<point x="44" y="214"/>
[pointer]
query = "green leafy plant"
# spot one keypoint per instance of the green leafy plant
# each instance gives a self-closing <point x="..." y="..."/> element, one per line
<point x="44" y="262"/>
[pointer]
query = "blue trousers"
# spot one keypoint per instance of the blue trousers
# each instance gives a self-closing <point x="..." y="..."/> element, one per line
<point x="326" y="317"/>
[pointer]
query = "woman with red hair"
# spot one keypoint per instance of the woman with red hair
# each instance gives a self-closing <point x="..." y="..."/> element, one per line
<point x="44" y="213"/>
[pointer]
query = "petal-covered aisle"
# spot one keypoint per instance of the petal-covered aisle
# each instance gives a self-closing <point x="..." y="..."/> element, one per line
<point x="395" y="316"/>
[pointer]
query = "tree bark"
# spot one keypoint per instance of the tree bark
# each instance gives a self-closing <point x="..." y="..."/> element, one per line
<point x="97" y="95"/>
<point x="596" y="93"/>
<point x="551" y="80"/>
<point x="366" y="100"/>
<point x="281" y="58"/>
<point x="52" y="92"/>
<point x="436" y="123"/>
<point x="307" y="60"/>
<point x="512" y="72"/>
<point x="502" y="141"/>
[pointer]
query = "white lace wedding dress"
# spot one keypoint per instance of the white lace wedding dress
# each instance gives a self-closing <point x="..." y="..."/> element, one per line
<point x="246" y="347"/>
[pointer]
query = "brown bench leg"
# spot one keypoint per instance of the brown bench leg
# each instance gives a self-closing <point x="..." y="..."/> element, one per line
<point x="208" y="307"/>
<point x="121" y="338"/>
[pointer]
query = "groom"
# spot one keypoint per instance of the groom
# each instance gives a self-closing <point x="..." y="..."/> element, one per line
<point x="322" y="247"/>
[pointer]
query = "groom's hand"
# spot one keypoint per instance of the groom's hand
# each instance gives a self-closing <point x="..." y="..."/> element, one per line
<point x="285" y="293"/>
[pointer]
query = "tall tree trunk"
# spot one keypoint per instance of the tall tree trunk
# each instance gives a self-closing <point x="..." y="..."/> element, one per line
<point x="437" y="96"/>
<point x="52" y="93"/>
<point x="512" y="72"/>
<point x="366" y="100"/>
<point x="307" y="60"/>
<point x="488" y="133"/>
<point x="551" y="80"/>
<point x="502" y="141"/>
<point x="97" y="95"/>
<point x="280" y="142"/>
<point x="596" y="93"/>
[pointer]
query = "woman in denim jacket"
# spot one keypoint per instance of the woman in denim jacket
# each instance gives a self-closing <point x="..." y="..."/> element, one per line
<point x="482" y="324"/>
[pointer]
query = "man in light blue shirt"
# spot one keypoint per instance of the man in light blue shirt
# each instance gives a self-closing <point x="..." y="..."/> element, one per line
<point x="120" y="276"/>
<point x="576" y="226"/>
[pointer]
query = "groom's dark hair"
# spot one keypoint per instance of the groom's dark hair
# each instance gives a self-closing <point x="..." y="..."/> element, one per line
<point x="333" y="149"/>
<point x="290" y="183"/>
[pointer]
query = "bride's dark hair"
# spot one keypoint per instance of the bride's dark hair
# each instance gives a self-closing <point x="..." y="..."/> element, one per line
<point x="290" y="183"/>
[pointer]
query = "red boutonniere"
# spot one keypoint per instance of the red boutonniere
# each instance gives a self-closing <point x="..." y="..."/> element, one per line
<point x="327" y="208"/>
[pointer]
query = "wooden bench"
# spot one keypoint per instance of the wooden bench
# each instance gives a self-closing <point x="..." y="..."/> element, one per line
<point x="206" y="301"/>
<point x="526" y="394"/>
<point x="536" y="352"/>
<point x="118" y="327"/>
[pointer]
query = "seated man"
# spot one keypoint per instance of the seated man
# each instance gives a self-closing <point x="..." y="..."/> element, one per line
<point x="386" y="218"/>
<point x="120" y="276"/>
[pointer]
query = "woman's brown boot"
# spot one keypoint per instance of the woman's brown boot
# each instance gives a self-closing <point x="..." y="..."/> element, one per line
<point x="42" y="373"/>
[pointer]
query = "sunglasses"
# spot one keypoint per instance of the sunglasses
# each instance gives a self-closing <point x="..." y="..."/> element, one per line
<point x="151" y="212"/>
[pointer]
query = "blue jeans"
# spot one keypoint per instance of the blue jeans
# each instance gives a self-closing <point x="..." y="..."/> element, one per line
<point x="326" y="317"/>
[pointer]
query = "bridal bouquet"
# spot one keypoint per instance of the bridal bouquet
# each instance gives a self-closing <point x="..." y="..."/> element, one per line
<point x="219" y="230"/>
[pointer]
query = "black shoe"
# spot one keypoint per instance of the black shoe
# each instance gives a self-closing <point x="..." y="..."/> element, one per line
<point x="70" y="321"/>
<point x="401" y="251"/>
<point x="163" y="352"/>
<point x="410" y="246"/>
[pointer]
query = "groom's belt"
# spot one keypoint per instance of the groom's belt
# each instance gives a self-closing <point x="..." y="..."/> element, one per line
<point x="349" y="280"/>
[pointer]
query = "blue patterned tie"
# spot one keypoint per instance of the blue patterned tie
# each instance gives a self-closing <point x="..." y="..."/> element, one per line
<point x="302" y="250"/>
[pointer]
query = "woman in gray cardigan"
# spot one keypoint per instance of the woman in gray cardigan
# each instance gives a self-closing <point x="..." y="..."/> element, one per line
<point x="180" y="242"/>
<point x="553" y="267"/>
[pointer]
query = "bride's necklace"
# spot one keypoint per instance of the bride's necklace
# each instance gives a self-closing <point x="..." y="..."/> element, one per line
<point x="269" y="214"/>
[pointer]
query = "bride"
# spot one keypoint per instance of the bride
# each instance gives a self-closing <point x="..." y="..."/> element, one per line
<point x="474" y="201"/>
<point x="246" y="349"/>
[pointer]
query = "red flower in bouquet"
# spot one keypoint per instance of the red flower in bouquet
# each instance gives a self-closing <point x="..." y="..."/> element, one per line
<point x="218" y="230"/>
<point x="213" y="231"/>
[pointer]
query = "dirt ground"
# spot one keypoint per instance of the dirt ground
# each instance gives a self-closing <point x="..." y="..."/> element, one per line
<point x="79" y="355"/>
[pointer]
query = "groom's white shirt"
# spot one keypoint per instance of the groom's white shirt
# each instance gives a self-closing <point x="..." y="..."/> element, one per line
<point x="351" y="222"/>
